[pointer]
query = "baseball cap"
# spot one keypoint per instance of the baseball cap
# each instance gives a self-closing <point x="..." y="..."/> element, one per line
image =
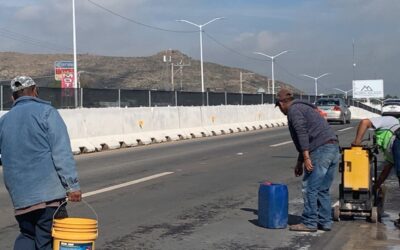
<point x="21" y="82"/>
<point x="283" y="94"/>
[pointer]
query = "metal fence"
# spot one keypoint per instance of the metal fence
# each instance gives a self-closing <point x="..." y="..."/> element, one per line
<point x="96" y="98"/>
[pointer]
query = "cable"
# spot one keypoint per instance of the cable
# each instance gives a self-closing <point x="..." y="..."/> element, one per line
<point x="137" y="22"/>
<point x="294" y="76"/>
<point x="230" y="49"/>
<point x="25" y="39"/>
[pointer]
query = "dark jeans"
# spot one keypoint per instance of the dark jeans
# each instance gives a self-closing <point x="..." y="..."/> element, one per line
<point x="35" y="229"/>
<point x="316" y="185"/>
<point x="396" y="156"/>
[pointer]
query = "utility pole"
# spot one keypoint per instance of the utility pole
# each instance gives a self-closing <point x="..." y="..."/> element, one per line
<point x="241" y="80"/>
<point x="181" y="65"/>
<point x="354" y="64"/>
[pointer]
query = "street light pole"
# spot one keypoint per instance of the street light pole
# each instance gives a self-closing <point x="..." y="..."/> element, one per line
<point x="200" y="26"/>
<point x="75" y="60"/>
<point x="273" y="74"/>
<point x="316" y="81"/>
<point x="344" y="91"/>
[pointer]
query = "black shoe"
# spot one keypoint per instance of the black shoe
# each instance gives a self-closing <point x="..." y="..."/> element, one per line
<point x="326" y="229"/>
<point x="397" y="223"/>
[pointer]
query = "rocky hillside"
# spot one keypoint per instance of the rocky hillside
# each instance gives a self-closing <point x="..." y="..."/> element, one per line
<point x="133" y="72"/>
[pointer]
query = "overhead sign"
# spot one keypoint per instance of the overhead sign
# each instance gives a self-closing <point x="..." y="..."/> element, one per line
<point x="368" y="89"/>
<point x="64" y="72"/>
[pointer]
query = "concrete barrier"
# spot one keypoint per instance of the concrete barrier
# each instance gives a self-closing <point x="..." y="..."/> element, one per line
<point x="98" y="129"/>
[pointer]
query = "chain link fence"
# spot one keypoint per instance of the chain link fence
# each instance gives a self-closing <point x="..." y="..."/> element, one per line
<point x="97" y="98"/>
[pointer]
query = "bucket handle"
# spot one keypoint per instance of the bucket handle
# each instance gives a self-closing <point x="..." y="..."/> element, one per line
<point x="86" y="203"/>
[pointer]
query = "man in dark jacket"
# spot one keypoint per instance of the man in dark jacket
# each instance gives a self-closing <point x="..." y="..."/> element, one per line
<point x="319" y="154"/>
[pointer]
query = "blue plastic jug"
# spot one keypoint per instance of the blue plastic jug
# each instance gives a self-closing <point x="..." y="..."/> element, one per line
<point x="273" y="205"/>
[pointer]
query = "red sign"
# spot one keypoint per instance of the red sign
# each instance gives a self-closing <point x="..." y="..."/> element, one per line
<point x="67" y="80"/>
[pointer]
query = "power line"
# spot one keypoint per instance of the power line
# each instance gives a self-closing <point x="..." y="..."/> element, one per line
<point x="294" y="76"/>
<point x="30" y="40"/>
<point x="230" y="49"/>
<point x="137" y="22"/>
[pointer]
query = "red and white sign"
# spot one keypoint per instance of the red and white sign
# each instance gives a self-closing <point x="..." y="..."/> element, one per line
<point x="67" y="80"/>
<point x="64" y="72"/>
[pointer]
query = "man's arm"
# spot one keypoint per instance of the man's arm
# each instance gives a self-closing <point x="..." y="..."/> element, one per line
<point x="384" y="174"/>
<point x="363" y="126"/>
<point x="62" y="155"/>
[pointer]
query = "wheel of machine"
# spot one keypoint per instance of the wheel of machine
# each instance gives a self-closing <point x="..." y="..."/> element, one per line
<point x="374" y="215"/>
<point x="336" y="213"/>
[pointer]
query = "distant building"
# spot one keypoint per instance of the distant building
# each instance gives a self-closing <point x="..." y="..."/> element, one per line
<point x="260" y="90"/>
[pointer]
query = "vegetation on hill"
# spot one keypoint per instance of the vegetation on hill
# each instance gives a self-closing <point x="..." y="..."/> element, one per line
<point x="150" y="72"/>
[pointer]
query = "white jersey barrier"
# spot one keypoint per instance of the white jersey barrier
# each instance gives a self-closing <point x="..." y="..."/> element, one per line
<point x="109" y="128"/>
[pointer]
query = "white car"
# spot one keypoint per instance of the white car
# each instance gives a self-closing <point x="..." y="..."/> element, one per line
<point x="336" y="109"/>
<point x="391" y="107"/>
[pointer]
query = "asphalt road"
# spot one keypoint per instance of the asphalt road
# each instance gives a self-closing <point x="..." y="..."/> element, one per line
<point x="202" y="194"/>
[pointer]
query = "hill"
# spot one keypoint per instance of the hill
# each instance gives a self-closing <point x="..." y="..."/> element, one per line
<point x="134" y="72"/>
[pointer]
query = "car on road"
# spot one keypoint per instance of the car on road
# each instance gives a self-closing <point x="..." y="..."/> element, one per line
<point x="336" y="109"/>
<point x="391" y="107"/>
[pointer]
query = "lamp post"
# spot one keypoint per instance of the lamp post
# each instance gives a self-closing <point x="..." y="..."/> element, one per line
<point x="75" y="60"/>
<point x="200" y="26"/>
<point x="316" y="81"/>
<point x="273" y="75"/>
<point x="344" y="91"/>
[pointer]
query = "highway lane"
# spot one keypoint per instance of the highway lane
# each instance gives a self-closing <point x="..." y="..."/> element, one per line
<point x="208" y="199"/>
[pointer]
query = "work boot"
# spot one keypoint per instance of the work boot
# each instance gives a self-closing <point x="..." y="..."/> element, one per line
<point x="397" y="222"/>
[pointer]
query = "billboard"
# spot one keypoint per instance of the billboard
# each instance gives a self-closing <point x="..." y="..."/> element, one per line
<point x="367" y="89"/>
<point x="64" y="72"/>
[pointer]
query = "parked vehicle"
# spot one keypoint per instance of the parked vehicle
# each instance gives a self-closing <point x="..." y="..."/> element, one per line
<point x="336" y="109"/>
<point x="391" y="107"/>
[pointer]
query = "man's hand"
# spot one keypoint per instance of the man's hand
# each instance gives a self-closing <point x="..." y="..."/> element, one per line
<point x="75" y="196"/>
<point x="298" y="170"/>
<point x="308" y="164"/>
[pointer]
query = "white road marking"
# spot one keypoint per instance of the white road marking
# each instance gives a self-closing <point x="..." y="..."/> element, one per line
<point x="280" y="144"/>
<point x="344" y="129"/>
<point x="129" y="183"/>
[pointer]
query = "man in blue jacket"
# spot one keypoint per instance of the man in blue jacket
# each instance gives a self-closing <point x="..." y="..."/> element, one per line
<point x="38" y="165"/>
<point x="319" y="154"/>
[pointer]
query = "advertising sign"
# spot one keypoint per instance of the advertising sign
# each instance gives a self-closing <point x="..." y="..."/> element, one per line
<point x="64" y="72"/>
<point x="67" y="80"/>
<point x="368" y="89"/>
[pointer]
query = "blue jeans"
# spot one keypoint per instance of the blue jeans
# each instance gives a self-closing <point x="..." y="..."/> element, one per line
<point x="316" y="185"/>
<point x="396" y="156"/>
<point x="35" y="229"/>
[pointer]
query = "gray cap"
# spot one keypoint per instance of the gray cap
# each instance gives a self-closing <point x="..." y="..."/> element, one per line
<point x="21" y="82"/>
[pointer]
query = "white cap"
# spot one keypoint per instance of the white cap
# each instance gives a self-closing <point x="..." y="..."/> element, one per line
<point x="21" y="82"/>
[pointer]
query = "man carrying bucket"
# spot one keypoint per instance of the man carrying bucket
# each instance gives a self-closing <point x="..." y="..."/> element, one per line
<point x="38" y="164"/>
<point x="318" y="150"/>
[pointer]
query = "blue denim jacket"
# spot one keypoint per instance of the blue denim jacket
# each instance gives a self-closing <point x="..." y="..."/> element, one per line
<point x="38" y="164"/>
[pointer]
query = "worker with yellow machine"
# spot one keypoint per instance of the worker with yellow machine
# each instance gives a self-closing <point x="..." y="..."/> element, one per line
<point x="387" y="135"/>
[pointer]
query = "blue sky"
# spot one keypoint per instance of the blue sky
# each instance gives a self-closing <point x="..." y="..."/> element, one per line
<point x="318" y="33"/>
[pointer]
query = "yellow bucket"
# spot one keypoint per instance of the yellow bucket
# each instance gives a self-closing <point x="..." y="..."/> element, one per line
<point x="74" y="233"/>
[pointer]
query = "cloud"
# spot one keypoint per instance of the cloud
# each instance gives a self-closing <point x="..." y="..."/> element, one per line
<point x="267" y="40"/>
